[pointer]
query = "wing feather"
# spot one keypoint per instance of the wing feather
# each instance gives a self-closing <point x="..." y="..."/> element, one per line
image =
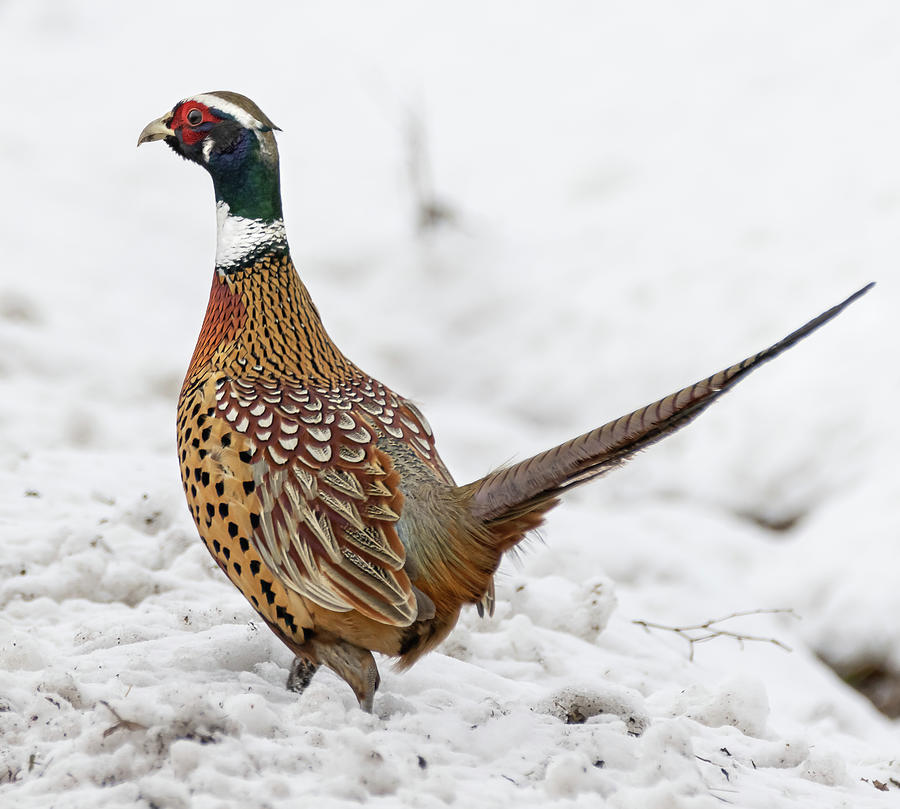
<point x="329" y="499"/>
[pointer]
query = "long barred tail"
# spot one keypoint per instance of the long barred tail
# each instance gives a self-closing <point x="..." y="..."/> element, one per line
<point x="509" y="494"/>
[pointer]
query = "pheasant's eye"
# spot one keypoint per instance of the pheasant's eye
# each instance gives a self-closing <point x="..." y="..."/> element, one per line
<point x="194" y="117"/>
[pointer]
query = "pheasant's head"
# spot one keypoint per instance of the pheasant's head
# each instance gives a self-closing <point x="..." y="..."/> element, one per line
<point x="234" y="141"/>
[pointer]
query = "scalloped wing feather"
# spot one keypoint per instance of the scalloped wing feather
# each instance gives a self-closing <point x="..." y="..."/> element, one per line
<point x="329" y="498"/>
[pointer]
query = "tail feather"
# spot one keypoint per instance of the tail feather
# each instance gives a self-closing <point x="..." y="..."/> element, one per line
<point x="510" y="493"/>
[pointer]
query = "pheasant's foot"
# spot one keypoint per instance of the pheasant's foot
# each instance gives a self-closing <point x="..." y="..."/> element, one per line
<point x="302" y="672"/>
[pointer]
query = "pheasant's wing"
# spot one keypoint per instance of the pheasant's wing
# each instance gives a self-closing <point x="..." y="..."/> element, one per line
<point x="323" y="499"/>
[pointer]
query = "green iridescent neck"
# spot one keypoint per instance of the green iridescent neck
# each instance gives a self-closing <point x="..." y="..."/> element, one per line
<point x="246" y="177"/>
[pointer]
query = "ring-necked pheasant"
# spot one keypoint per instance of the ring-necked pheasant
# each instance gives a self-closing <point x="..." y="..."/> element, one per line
<point x="317" y="489"/>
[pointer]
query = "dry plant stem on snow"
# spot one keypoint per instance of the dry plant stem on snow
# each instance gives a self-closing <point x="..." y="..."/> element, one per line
<point x="708" y="630"/>
<point x="121" y="724"/>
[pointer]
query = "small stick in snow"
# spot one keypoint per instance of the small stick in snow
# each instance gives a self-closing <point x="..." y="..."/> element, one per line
<point x="431" y="211"/>
<point x="708" y="629"/>
<point x="121" y="724"/>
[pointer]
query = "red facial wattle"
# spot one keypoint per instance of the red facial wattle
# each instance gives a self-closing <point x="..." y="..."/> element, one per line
<point x="192" y="133"/>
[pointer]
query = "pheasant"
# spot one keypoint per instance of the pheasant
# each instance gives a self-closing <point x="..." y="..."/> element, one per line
<point x="317" y="489"/>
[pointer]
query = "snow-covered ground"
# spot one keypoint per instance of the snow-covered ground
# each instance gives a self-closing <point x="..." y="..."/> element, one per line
<point x="644" y="193"/>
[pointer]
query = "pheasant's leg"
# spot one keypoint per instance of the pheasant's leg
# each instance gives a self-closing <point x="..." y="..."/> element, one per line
<point x="302" y="672"/>
<point x="352" y="664"/>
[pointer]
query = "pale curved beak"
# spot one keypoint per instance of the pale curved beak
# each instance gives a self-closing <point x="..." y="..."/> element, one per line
<point x="156" y="130"/>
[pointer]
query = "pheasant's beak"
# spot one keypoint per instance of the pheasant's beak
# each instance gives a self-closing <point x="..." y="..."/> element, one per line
<point x="156" y="130"/>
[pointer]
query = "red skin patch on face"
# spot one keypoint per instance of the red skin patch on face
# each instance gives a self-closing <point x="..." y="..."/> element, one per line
<point x="189" y="132"/>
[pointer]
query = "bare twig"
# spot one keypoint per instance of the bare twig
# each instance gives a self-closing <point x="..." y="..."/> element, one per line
<point x="431" y="211"/>
<point x="709" y="630"/>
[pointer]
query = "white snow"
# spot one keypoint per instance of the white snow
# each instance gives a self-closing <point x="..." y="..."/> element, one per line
<point x="644" y="193"/>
